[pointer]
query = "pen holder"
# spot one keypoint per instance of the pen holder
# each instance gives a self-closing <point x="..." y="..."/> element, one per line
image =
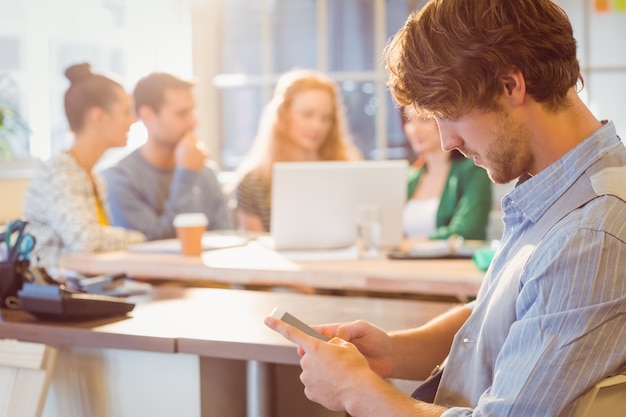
<point x="11" y="281"/>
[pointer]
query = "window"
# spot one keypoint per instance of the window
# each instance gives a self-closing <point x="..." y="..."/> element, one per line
<point x="260" y="40"/>
<point x="602" y="63"/>
<point x="344" y="38"/>
<point x="39" y="39"/>
<point x="236" y="49"/>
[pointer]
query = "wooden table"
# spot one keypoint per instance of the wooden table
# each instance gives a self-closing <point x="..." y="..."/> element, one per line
<point x="256" y="264"/>
<point x="208" y="324"/>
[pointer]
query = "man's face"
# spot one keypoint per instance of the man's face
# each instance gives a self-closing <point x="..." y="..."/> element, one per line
<point x="175" y="118"/>
<point x="494" y="139"/>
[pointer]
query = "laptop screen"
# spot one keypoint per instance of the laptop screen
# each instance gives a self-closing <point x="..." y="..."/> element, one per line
<point x="314" y="203"/>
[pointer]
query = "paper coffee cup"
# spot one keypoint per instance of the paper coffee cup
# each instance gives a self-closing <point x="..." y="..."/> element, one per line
<point x="189" y="229"/>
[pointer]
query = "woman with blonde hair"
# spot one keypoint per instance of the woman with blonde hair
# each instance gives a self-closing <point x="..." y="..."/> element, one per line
<point x="304" y="121"/>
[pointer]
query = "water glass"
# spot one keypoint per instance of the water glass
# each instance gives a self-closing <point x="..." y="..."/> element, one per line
<point x="368" y="231"/>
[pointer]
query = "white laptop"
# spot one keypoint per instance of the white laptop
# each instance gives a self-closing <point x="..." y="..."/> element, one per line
<point x="314" y="203"/>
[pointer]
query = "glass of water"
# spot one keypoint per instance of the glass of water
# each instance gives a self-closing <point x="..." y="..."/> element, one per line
<point x="368" y="231"/>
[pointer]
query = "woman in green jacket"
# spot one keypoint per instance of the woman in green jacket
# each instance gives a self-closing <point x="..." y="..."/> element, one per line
<point x="447" y="193"/>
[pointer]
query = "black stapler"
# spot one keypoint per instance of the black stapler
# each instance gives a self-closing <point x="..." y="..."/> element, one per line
<point x="52" y="302"/>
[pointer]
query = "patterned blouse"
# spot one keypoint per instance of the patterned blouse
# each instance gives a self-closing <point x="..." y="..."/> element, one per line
<point x="61" y="209"/>
<point x="254" y="198"/>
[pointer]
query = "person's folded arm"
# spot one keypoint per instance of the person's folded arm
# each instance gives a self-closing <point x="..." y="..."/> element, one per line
<point x="213" y="197"/>
<point x="130" y="210"/>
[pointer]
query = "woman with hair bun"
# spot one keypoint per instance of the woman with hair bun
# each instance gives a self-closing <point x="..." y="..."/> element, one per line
<point x="66" y="203"/>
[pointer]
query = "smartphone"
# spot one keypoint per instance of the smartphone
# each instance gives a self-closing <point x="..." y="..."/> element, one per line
<point x="290" y="319"/>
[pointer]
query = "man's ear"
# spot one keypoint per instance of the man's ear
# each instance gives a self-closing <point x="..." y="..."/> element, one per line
<point x="145" y="113"/>
<point x="514" y="86"/>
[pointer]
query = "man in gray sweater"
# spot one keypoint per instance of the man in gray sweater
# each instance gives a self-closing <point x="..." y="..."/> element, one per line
<point x="171" y="172"/>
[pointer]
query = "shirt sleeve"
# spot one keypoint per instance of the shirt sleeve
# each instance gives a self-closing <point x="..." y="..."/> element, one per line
<point x="247" y="195"/>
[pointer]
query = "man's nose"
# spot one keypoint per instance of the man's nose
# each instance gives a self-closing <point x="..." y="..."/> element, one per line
<point x="448" y="137"/>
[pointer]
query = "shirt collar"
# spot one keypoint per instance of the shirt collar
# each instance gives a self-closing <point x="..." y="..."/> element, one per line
<point x="534" y="195"/>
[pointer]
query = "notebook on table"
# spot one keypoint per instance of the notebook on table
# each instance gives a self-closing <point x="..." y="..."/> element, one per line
<point x="314" y="203"/>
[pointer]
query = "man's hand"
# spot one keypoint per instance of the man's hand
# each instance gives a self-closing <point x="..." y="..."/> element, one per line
<point x="331" y="370"/>
<point x="190" y="153"/>
<point x="371" y="341"/>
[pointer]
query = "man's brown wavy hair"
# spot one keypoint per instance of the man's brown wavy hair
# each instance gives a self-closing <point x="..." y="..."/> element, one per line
<point x="448" y="58"/>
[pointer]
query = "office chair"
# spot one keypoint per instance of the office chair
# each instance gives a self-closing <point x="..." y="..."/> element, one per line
<point x="25" y="371"/>
<point x="606" y="399"/>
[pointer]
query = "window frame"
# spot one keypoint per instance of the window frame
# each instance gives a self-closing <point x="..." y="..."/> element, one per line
<point x="206" y="35"/>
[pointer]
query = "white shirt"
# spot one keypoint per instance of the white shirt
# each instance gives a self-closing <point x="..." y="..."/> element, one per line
<point x="419" y="217"/>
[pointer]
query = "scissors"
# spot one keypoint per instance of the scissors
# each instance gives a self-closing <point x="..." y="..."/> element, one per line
<point x="23" y="244"/>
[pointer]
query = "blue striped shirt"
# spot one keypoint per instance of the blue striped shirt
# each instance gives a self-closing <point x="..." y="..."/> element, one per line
<point x="535" y="347"/>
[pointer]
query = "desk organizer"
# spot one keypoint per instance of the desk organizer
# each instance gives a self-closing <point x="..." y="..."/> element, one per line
<point x="11" y="281"/>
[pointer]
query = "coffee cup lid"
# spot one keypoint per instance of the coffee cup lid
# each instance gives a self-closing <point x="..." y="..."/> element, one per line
<point x="190" y="219"/>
